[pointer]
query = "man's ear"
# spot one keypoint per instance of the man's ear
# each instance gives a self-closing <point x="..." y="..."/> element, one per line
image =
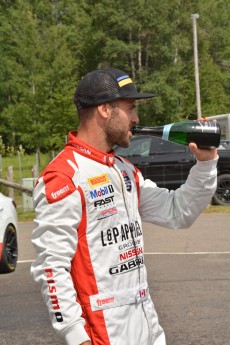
<point x="104" y="110"/>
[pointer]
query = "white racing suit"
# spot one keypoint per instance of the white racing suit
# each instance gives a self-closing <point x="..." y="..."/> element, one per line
<point x="89" y="242"/>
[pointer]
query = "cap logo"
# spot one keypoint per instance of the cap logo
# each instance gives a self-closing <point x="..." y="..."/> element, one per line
<point x="124" y="80"/>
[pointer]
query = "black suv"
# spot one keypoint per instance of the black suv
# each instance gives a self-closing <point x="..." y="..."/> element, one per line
<point x="168" y="164"/>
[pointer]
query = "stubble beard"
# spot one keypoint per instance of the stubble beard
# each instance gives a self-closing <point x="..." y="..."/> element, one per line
<point x="115" y="134"/>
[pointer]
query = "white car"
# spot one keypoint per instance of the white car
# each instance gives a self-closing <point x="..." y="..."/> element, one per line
<point x="8" y="234"/>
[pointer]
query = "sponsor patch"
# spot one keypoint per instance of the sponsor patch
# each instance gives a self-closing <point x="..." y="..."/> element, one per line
<point x="98" y="180"/>
<point x="142" y="293"/>
<point x="60" y="191"/>
<point x="57" y="187"/>
<point x="96" y="193"/>
<point x="127" y="266"/>
<point x="127" y="180"/>
<point x="124" y="80"/>
<point x="107" y="213"/>
<point x="129" y="244"/>
<point x="102" y="301"/>
<point x="130" y="253"/>
<point x="82" y="149"/>
<point x="121" y="233"/>
<point x="53" y="294"/>
<point x="103" y="202"/>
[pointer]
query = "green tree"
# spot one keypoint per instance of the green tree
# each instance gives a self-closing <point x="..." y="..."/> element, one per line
<point x="41" y="73"/>
<point x="47" y="46"/>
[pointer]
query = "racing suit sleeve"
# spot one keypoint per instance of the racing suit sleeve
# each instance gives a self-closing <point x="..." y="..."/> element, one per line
<point x="179" y="208"/>
<point x="55" y="238"/>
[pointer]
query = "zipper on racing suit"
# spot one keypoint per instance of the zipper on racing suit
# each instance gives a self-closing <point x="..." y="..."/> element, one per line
<point x="134" y="244"/>
<point x="129" y="218"/>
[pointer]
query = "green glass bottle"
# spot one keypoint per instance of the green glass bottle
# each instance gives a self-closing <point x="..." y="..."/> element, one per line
<point x="206" y="134"/>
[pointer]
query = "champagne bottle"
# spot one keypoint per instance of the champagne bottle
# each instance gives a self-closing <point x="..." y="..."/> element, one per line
<point x="206" y="134"/>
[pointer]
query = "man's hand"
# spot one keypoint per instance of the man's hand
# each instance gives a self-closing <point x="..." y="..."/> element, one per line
<point x="86" y="343"/>
<point x="203" y="154"/>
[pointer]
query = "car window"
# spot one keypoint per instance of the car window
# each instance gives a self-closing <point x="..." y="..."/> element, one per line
<point x="149" y="146"/>
<point x="140" y="147"/>
<point x="224" y="145"/>
<point x="167" y="147"/>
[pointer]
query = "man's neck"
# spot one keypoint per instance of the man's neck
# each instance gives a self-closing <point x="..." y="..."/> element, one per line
<point x="94" y="138"/>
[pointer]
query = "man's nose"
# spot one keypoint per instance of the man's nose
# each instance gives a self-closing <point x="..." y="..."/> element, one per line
<point x="135" y="118"/>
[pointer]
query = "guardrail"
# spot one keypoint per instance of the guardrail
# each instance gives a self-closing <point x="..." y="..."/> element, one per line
<point x="24" y="189"/>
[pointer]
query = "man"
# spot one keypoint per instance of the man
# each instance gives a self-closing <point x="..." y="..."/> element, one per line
<point x="89" y="207"/>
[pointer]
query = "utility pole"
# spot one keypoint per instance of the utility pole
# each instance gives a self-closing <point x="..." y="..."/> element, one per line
<point x="197" y="81"/>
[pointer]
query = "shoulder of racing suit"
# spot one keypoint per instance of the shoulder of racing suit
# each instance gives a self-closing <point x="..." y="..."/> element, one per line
<point x="58" y="177"/>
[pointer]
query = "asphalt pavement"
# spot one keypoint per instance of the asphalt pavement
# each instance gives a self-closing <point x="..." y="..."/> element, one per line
<point x="189" y="279"/>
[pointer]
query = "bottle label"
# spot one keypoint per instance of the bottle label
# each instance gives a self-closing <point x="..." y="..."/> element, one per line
<point x="166" y="131"/>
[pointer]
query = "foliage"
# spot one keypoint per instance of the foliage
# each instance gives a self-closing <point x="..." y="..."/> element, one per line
<point x="47" y="46"/>
<point x="2" y="146"/>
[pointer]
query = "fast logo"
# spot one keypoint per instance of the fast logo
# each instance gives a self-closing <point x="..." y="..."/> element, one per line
<point x="103" y="202"/>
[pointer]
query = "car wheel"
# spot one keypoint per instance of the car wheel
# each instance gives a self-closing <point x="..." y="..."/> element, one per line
<point x="222" y="195"/>
<point x="9" y="251"/>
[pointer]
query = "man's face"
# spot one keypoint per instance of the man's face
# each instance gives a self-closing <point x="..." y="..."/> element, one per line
<point x="122" y="118"/>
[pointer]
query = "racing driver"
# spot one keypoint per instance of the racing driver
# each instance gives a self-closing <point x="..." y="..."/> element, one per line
<point x="89" y="207"/>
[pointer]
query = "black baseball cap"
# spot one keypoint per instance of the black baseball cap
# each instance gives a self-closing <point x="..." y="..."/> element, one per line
<point x="106" y="85"/>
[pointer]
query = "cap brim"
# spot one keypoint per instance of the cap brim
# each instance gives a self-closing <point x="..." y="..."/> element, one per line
<point x="140" y="96"/>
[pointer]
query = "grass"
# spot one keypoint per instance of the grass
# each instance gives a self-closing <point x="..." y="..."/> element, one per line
<point x="25" y="216"/>
<point x="217" y="209"/>
<point x="24" y="166"/>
